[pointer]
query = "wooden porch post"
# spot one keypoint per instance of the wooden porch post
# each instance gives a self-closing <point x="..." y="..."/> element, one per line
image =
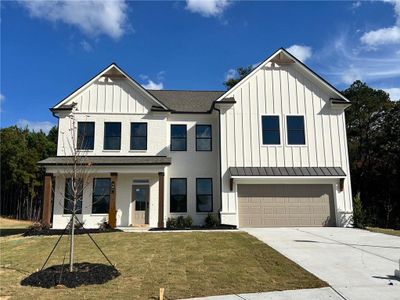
<point x="48" y="191"/>
<point x="161" y="199"/>
<point x="112" y="212"/>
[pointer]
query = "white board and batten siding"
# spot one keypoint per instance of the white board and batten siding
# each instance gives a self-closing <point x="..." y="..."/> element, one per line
<point x="283" y="90"/>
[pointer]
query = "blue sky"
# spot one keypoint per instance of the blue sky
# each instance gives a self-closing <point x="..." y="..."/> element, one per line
<point x="48" y="49"/>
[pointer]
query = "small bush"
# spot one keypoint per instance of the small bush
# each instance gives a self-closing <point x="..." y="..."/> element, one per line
<point x="171" y="223"/>
<point x="188" y="222"/>
<point x="358" y="218"/>
<point x="104" y="226"/>
<point x="180" y="222"/>
<point x="38" y="226"/>
<point x="212" y="220"/>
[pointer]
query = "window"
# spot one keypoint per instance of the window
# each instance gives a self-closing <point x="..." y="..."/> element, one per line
<point x="204" y="195"/>
<point x="178" y="191"/>
<point x="178" y="137"/>
<point x="295" y="130"/>
<point x="69" y="196"/>
<point x="138" y="136"/>
<point x="203" y="138"/>
<point x="270" y="130"/>
<point x="112" y="136"/>
<point x="85" y="139"/>
<point x="101" y="195"/>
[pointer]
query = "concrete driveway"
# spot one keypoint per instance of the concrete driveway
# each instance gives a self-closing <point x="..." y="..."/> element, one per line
<point x="358" y="264"/>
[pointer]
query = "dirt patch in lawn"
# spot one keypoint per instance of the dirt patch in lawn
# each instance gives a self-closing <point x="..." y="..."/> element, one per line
<point x="186" y="264"/>
<point x="59" y="276"/>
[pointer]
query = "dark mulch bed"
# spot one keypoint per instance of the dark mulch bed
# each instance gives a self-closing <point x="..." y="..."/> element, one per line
<point x="84" y="274"/>
<point x="36" y="232"/>
<point x="219" y="227"/>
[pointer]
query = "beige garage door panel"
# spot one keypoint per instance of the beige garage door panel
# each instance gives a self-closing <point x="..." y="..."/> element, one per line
<point x="285" y="205"/>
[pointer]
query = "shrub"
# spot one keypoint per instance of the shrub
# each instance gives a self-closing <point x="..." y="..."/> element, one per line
<point x="212" y="220"/>
<point x="171" y="223"/>
<point x="104" y="226"/>
<point x="38" y="226"/>
<point x="188" y="222"/>
<point x="358" y="218"/>
<point x="180" y="222"/>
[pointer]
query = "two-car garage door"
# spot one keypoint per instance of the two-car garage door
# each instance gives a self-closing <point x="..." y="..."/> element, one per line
<point x="272" y="205"/>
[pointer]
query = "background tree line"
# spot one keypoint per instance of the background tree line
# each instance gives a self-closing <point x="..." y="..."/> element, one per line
<point x="21" y="178"/>
<point x="373" y="134"/>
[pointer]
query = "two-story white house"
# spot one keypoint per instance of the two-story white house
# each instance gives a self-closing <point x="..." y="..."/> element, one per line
<point x="271" y="151"/>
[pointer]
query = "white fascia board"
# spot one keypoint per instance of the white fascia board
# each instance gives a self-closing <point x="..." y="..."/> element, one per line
<point x="301" y="64"/>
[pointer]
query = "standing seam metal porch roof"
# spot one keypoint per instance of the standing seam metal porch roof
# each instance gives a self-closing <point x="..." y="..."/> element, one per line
<point x="107" y="160"/>
<point x="287" y="171"/>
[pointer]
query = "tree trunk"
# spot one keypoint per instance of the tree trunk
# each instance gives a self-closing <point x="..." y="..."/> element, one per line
<point x="71" y="244"/>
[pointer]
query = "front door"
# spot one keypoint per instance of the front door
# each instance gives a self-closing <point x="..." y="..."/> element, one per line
<point x="140" y="204"/>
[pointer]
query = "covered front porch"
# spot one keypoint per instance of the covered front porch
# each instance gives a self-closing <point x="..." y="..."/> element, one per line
<point x="119" y="191"/>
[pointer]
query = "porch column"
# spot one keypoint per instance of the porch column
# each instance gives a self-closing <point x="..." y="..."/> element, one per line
<point x="48" y="191"/>
<point x="161" y="199"/>
<point x="112" y="212"/>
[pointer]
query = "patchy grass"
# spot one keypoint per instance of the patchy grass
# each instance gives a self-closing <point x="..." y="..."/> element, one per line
<point x="385" y="231"/>
<point x="13" y="226"/>
<point x="187" y="264"/>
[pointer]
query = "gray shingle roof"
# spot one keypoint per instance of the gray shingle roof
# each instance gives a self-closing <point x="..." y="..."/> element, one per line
<point x="108" y="160"/>
<point x="287" y="171"/>
<point x="187" y="101"/>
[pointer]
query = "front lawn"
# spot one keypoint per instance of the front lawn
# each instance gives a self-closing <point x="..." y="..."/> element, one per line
<point x="385" y="230"/>
<point x="189" y="264"/>
<point x="12" y="226"/>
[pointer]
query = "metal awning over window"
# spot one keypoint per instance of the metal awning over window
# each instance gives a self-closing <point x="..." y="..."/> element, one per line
<point x="287" y="171"/>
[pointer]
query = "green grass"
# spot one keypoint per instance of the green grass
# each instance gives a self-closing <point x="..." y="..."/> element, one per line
<point x="190" y="264"/>
<point x="385" y="231"/>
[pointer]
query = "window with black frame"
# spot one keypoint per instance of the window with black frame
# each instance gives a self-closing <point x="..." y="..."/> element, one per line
<point x="203" y="138"/>
<point x="101" y="195"/>
<point x="295" y="130"/>
<point x="178" y="195"/>
<point x="112" y="136"/>
<point x="204" y="195"/>
<point x="85" y="139"/>
<point x="69" y="196"/>
<point x="270" y="130"/>
<point x="138" y="136"/>
<point x="178" y="138"/>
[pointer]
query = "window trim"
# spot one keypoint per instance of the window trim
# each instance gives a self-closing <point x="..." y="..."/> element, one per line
<point x="147" y="134"/>
<point x="212" y="195"/>
<point x="210" y="138"/>
<point x="107" y="213"/>
<point x="280" y="131"/>
<point x="287" y="131"/>
<point x="170" y="194"/>
<point x="65" y="189"/>
<point x="94" y="135"/>
<point x="104" y="136"/>
<point x="170" y="143"/>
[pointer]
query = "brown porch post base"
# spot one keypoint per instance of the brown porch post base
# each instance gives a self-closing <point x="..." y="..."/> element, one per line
<point x="112" y="212"/>
<point x="48" y="191"/>
<point x="161" y="176"/>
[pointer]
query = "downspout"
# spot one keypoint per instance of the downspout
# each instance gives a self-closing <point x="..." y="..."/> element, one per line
<point x="220" y="158"/>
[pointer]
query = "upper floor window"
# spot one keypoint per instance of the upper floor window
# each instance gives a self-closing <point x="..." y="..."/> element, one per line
<point x="112" y="136"/>
<point x="204" y="195"/>
<point x="72" y="187"/>
<point x="101" y="195"/>
<point x="138" y="136"/>
<point x="270" y="130"/>
<point x="178" y="195"/>
<point x="178" y="137"/>
<point x="203" y="138"/>
<point x="295" y="130"/>
<point x="85" y="139"/>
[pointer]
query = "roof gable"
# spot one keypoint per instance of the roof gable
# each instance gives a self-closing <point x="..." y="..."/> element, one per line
<point x="281" y="56"/>
<point x="112" y="70"/>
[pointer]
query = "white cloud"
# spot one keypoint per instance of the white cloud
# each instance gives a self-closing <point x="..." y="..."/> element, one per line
<point x="2" y="98"/>
<point x="92" y="17"/>
<point x="151" y="85"/>
<point x="86" y="46"/>
<point x="231" y="73"/>
<point x="394" y="93"/>
<point x="387" y="35"/>
<point x="300" y="52"/>
<point x="207" y="8"/>
<point x="356" y="5"/>
<point x="44" y="126"/>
